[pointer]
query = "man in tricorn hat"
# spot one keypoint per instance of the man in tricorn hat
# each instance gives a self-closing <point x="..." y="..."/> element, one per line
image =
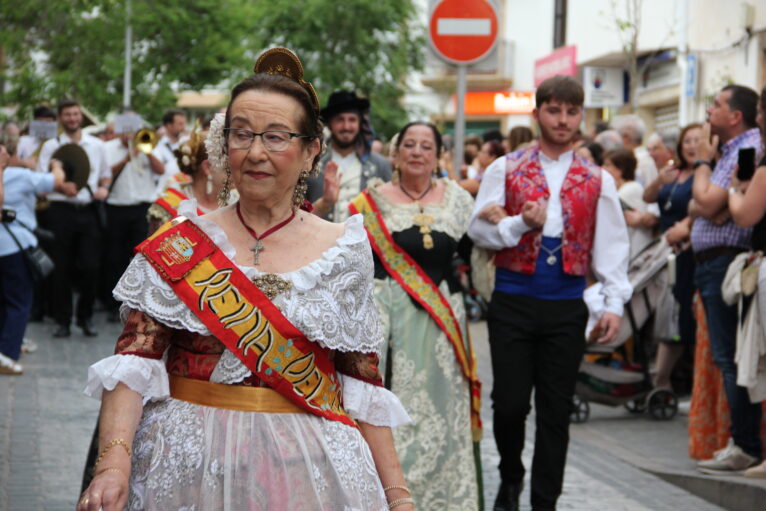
<point x="75" y="223"/>
<point x="348" y="163"/>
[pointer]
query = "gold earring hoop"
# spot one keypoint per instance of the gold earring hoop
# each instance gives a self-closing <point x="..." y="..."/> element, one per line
<point x="397" y="175"/>
<point x="223" y="196"/>
<point x="301" y="187"/>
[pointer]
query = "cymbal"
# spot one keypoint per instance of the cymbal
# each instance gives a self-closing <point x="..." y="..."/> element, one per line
<point x="76" y="163"/>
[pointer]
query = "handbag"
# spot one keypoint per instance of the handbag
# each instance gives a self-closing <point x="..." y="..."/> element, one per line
<point x="39" y="263"/>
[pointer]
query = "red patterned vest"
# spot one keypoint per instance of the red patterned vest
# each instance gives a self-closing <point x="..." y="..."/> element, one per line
<point x="524" y="181"/>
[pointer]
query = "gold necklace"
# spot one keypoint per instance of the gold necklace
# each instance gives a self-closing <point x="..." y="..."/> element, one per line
<point x="422" y="220"/>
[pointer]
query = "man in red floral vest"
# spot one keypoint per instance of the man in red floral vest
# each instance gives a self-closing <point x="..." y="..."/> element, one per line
<point x="553" y="218"/>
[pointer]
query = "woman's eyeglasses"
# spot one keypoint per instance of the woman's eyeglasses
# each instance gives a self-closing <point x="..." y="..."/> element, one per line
<point x="274" y="141"/>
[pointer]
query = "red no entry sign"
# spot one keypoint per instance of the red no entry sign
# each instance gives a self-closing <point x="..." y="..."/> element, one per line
<point x="463" y="31"/>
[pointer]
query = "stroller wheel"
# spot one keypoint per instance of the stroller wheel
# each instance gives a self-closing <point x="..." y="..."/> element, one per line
<point x="472" y="310"/>
<point x="636" y="406"/>
<point x="663" y="404"/>
<point x="580" y="410"/>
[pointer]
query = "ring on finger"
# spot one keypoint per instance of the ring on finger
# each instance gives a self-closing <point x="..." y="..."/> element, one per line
<point x="85" y="501"/>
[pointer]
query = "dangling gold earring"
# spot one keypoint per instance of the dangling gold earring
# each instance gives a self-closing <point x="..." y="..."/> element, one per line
<point x="223" y="197"/>
<point x="301" y="187"/>
<point x="209" y="184"/>
<point x="396" y="175"/>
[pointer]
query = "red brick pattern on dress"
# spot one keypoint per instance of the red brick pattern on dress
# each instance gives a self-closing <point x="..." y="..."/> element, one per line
<point x="362" y="366"/>
<point x="525" y="181"/>
<point x="143" y="336"/>
<point x="189" y="354"/>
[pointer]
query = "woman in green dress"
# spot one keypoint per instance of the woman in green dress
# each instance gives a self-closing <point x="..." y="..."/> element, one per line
<point x="414" y="224"/>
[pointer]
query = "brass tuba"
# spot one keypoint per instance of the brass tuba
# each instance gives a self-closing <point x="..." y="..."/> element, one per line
<point x="146" y="140"/>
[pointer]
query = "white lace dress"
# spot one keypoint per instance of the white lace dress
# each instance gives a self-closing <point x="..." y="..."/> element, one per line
<point x="188" y="457"/>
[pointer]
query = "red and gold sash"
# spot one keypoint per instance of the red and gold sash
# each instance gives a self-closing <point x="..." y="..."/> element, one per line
<point x="244" y="319"/>
<point x="423" y="290"/>
<point x="171" y="200"/>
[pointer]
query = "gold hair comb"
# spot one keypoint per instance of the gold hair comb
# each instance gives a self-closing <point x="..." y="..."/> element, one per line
<point x="281" y="61"/>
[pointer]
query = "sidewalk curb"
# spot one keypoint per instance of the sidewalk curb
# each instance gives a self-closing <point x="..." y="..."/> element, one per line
<point x="734" y="493"/>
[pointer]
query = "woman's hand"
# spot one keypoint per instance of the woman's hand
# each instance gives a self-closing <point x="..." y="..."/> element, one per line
<point x="331" y="184"/>
<point x="679" y="233"/>
<point x="633" y="218"/>
<point x="668" y="173"/>
<point x="4" y="158"/>
<point x="741" y="186"/>
<point x="107" y="491"/>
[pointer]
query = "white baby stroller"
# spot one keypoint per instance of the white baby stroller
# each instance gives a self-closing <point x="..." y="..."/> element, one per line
<point x="615" y="382"/>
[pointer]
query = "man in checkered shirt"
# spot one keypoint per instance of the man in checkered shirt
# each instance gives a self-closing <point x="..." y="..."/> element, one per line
<point x="716" y="240"/>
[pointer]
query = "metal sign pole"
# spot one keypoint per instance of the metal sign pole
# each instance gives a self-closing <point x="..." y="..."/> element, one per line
<point x="128" y="56"/>
<point x="459" y="119"/>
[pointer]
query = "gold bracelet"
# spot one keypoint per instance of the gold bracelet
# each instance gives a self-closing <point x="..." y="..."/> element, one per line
<point x="393" y="504"/>
<point x="397" y="487"/>
<point x="112" y="469"/>
<point x="112" y="443"/>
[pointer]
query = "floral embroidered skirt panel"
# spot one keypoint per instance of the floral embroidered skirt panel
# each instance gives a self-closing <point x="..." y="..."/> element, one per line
<point x="188" y="457"/>
<point x="436" y="450"/>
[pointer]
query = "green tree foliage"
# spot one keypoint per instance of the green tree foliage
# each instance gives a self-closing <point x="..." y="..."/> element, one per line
<point x="50" y="49"/>
<point x="75" y="48"/>
<point x="367" y="45"/>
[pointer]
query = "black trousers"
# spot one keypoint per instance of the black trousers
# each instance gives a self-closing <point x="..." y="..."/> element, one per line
<point x="538" y="344"/>
<point x="126" y="227"/>
<point x="76" y="253"/>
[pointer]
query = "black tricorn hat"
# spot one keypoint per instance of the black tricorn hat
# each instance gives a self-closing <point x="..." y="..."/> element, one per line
<point x="343" y="101"/>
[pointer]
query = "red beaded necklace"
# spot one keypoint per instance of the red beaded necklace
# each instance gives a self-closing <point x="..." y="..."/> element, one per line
<point x="259" y="246"/>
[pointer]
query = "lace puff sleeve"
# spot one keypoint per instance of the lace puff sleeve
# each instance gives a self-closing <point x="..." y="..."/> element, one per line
<point x="138" y="362"/>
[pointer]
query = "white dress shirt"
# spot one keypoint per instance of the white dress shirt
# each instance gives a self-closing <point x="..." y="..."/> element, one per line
<point x="609" y="254"/>
<point x="350" y="168"/>
<point x="99" y="168"/>
<point x="646" y="169"/>
<point x="135" y="183"/>
<point x="27" y="146"/>
<point x="164" y="153"/>
<point x="632" y="194"/>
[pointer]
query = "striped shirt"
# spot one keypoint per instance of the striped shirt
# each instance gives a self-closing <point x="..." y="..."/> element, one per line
<point x="705" y="234"/>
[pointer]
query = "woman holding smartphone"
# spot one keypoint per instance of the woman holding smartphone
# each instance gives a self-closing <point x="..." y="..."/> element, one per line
<point x="747" y="206"/>
<point x="672" y="190"/>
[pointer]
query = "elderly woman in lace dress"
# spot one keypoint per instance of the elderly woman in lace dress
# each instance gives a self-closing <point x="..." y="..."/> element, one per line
<point x="414" y="224"/>
<point x="246" y="374"/>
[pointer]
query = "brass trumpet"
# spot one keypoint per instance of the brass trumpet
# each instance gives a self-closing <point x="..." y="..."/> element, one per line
<point x="145" y="140"/>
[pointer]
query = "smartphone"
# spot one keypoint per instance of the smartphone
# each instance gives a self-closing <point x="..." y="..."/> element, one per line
<point x="746" y="163"/>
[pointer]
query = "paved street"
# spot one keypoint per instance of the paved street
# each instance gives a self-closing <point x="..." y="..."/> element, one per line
<point x="46" y="424"/>
<point x="595" y="480"/>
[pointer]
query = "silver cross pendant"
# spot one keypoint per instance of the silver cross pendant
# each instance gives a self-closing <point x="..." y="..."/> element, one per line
<point x="256" y="250"/>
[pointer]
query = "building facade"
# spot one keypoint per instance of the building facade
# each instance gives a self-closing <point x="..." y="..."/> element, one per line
<point x="686" y="51"/>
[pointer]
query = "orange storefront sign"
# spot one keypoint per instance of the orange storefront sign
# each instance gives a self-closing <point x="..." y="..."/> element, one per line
<point x="498" y="102"/>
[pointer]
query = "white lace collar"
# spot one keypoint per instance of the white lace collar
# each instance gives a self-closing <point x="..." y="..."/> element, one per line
<point x="452" y="214"/>
<point x="305" y="277"/>
<point x="331" y="299"/>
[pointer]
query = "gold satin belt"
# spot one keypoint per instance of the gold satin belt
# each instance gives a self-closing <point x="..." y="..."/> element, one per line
<point x="231" y="397"/>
